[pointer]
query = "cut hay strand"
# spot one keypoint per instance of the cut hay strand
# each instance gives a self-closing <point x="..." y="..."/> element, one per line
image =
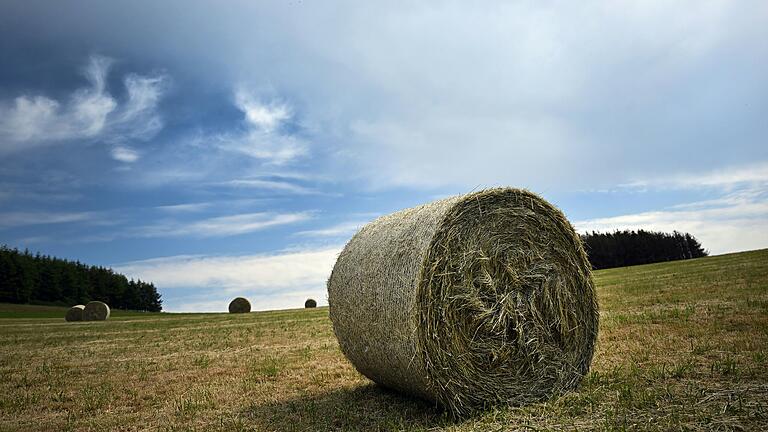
<point x="239" y="305"/>
<point x="75" y="313"/>
<point x="95" y="311"/>
<point x="470" y="301"/>
<point x="310" y="303"/>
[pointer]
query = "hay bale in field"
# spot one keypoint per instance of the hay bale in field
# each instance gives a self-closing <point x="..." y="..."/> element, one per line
<point x="310" y="303"/>
<point x="75" y="313"/>
<point x="239" y="305"/>
<point x="470" y="301"/>
<point x="95" y="311"/>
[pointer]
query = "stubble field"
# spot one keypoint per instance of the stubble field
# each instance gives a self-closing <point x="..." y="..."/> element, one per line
<point x="682" y="346"/>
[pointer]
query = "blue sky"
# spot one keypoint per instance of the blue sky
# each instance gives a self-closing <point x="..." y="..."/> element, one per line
<point x="232" y="149"/>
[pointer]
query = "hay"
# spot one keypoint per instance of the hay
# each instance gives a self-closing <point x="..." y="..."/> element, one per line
<point x="95" y="311"/>
<point x="75" y="313"/>
<point x="239" y="305"/>
<point x="310" y="303"/>
<point x="470" y="301"/>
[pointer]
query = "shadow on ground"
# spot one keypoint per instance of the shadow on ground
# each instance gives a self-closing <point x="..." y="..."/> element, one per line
<point x="366" y="408"/>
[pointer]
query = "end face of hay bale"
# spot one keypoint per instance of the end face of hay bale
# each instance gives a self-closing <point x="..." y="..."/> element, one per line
<point x="239" y="305"/>
<point x="96" y="311"/>
<point x="75" y="313"/>
<point x="310" y="303"/>
<point x="479" y="300"/>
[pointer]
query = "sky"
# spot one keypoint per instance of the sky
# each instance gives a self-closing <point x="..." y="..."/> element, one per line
<point x="223" y="149"/>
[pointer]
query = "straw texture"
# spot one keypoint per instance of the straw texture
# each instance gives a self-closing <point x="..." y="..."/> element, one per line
<point x="239" y="305"/>
<point x="470" y="301"/>
<point x="95" y="311"/>
<point x="75" y="313"/>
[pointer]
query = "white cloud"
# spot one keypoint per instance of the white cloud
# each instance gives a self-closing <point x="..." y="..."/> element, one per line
<point x="91" y="112"/>
<point x="271" y="281"/>
<point x="223" y="226"/>
<point x="265" y="117"/>
<point x="262" y="138"/>
<point x="732" y="223"/>
<point x="125" y="154"/>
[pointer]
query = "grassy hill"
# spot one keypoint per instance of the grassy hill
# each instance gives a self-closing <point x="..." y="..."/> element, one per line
<point x="682" y="346"/>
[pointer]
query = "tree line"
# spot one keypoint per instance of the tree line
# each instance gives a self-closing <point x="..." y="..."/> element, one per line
<point x="626" y="248"/>
<point x="27" y="278"/>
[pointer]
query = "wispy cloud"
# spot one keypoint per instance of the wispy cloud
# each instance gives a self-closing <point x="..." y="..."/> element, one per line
<point x="90" y="112"/>
<point x="262" y="116"/>
<point x="278" y="186"/>
<point x="17" y="219"/>
<point x="223" y="226"/>
<point x="271" y="280"/>
<point x="264" y="137"/>
<point x="725" y="178"/>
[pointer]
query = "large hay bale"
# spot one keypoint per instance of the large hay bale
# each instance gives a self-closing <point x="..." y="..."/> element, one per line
<point x="239" y="305"/>
<point x="95" y="311"/>
<point x="470" y="301"/>
<point x="75" y="313"/>
<point x="310" y="303"/>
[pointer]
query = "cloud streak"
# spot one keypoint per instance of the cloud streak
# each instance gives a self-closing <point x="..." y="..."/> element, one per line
<point x="725" y="178"/>
<point x="223" y="226"/>
<point x="344" y="229"/>
<point x="19" y="219"/>
<point x="271" y="185"/>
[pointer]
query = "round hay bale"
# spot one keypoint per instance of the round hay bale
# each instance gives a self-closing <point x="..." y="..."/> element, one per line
<point x="239" y="305"/>
<point x="470" y="301"/>
<point x="310" y="303"/>
<point x="95" y="311"/>
<point x="75" y="313"/>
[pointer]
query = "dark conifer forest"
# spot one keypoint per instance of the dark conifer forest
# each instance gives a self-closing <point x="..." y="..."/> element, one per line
<point x="627" y="248"/>
<point x="27" y="278"/>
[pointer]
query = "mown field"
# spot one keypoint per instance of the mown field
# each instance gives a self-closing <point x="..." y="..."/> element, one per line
<point x="682" y="346"/>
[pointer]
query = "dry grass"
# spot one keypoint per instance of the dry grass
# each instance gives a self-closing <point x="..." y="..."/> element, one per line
<point x="682" y="346"/>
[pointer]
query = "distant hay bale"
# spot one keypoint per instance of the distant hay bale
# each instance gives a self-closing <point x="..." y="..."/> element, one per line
<point x="239" y="305"/>
<point x="75" y="313"/>
<point x="95" y="311"/>
<point x="310" y="303"/>
<point x="470" y="301"/>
